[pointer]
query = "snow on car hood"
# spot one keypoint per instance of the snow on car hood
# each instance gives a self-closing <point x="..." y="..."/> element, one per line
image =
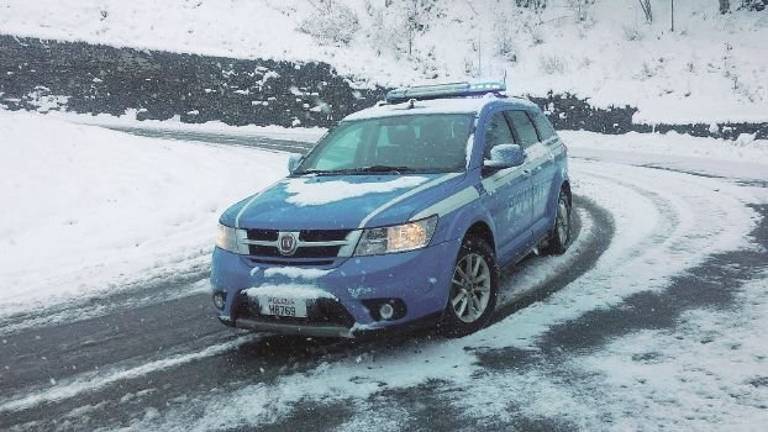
<point x="310" y="192"/>
<point x="321" y="202"/>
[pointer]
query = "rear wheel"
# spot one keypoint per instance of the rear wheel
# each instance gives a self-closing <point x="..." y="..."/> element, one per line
<point x="472" y="296"/>
<point x="559" y="237"/>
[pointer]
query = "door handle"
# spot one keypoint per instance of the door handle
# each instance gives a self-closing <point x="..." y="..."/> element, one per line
<point x="526" y="172"/>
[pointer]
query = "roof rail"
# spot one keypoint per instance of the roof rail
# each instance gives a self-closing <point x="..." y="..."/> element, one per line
<point x="437" y="91"/>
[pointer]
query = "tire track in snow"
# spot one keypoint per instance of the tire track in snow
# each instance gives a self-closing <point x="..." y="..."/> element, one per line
<point x="157" y="288"/>
<point x="306" y="365"/>
<point x="72" y="394"/>
<point x="665" y="224"/>
<point x="666" y="218"/>
<point x="101" y="380"/>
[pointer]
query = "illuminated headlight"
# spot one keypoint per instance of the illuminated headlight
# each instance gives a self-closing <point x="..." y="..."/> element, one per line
<point x="398" y="238"/>
<point x="226" y="238"/>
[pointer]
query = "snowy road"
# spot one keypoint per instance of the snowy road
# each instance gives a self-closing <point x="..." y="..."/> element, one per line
<point x="654" y="319"/>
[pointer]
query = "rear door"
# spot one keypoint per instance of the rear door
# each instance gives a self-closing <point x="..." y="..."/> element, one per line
<point x="541" y="165"/>
<point x="508" y="194"/>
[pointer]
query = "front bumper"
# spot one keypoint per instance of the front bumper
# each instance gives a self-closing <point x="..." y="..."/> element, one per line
<point x="314" y="330"/>
<point x="419" y="279"/>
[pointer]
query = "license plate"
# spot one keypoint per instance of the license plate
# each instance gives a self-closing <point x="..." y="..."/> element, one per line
<point x="283" y="306"/>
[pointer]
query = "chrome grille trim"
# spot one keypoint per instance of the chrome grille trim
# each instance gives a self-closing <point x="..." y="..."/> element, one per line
<point x="351" y="243"/>
<point x="346" y="246"/>
<point x="300" y="243"/>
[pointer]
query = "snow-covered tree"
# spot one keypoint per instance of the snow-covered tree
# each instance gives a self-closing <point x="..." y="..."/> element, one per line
<point x="333" y="23"/>
<point x="645" y="5"/>
<point x="754" y="5"/>
<point x="418" y="14"/>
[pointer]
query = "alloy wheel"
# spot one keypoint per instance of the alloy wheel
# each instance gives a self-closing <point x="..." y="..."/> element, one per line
<point x="471" y="287"/>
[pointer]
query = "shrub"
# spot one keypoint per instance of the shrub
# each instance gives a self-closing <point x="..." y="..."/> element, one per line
<point x="504" y="38"/>
<point x="333" y="23"/>
<point x="552" y="64"/>
<point x="754" y="5"/>
<point x="632" y="33"/>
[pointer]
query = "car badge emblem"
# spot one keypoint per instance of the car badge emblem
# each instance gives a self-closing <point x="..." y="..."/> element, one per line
<point x="287" y="243"/>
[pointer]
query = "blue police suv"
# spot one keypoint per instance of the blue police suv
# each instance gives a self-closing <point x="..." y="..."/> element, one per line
<point x="401" y="215"/>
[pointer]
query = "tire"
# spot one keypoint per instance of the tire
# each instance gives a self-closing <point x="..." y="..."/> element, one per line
<point x="559" y="237"/>
<point x="473" y="290"/>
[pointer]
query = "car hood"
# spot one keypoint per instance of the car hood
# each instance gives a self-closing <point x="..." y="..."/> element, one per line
<point x="335" y="202"/>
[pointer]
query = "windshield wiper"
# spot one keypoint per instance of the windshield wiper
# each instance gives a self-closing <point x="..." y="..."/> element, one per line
<point x="319" y="172"/>
<point x="384" y="169"/>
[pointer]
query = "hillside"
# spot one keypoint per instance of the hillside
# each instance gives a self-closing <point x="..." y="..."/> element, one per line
<point x="710" y="69"/>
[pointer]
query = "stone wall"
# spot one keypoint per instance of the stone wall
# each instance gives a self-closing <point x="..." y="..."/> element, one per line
<point x="48" y="75"/>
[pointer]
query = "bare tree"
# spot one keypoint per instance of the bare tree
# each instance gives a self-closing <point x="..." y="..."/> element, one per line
<point x="725" y="6"/>
<point x="645" y="5"/>
<point x="418" y="14"/>
<point x="672" y="14"/>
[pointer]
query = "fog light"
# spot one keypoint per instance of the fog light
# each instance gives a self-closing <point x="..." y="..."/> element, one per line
<point x="219" y="299"/>
<point x="386" y="311"/>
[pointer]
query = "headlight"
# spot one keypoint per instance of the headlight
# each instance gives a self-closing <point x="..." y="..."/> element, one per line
<point x="226" y="238"/>
<point x="398" y="238"/>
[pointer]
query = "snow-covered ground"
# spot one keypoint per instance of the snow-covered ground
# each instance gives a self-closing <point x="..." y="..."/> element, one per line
<point x="673" y="378"/>
<point x="744" y="159"/>
<point x="109" y="207"/>
<point x="701" y="371"/>
<point x="86" y="210"/>
<point x="710" y="69"/>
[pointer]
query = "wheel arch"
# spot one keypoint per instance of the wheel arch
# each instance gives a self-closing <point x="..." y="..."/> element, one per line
<point x="482" y="230"/>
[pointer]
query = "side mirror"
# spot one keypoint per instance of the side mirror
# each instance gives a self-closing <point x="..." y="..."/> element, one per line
<point x="293" y="162"/>
<point x="505" y="156"/>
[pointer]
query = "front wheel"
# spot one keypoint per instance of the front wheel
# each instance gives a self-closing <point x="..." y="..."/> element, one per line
<point x="560" y="236"/>
<point x="472" y="296"/>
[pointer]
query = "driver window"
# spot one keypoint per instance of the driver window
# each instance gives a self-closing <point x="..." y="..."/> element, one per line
<point x="342" y="154"/>
<point x="497" y="132"/>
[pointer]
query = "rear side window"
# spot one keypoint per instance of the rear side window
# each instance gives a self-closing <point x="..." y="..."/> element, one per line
<point x="524" y="128"/>
<point x="546" y="131"/>
<point x="497" y="132"/>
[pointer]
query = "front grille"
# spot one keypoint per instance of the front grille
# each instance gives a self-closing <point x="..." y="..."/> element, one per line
<point x="322" y="235"/>
<point x="320" y="311"/>
<point x="322" y="245"/>
<point x="301" y="252"/>
<point x="317" y="252"/>
<point x="262" y="234"/>
<point x="283" y="261"/>
<point x="267" y="251"/>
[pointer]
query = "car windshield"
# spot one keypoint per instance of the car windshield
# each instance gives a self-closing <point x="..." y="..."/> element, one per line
<point x="408" y="143"/>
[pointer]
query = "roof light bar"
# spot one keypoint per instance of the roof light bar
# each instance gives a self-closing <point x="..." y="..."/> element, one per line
<point x="437" y="91"/>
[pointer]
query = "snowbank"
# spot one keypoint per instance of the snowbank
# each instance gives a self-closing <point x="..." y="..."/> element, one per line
<point x="711" y="69"/>
<point x="129" y="121"/>
<point x="672" y="144"/>
<point x="745" y="160"/>
<point x="86" y="209"/>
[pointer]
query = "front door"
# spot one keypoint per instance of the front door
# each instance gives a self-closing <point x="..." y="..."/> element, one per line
<point x="507" y="194"/>
<point x="540" y="163"/>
